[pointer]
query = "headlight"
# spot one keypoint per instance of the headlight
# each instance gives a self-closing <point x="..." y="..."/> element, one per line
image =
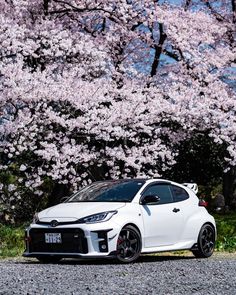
<point x="99" y="217"/>
<point x="35" y="218"/>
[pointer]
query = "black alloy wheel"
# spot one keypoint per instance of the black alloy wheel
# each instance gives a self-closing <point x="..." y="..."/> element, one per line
<point x="206" y="242"/>
<point x="48" y="259"/>
<point x="128" y="244"/>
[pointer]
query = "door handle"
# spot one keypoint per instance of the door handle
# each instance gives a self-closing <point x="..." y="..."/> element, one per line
<point x="175" y="210"/>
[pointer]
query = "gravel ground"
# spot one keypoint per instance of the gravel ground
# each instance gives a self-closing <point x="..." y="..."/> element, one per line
<point x="150" y="275"/>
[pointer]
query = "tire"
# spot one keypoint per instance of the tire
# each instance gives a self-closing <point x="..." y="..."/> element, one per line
<point x="129" y="244"/>
<point x="206" y="242"/>
<point x="49" y="259"/>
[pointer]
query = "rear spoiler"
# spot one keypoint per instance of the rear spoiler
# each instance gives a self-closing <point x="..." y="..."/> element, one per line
<point x="192" y="186"/>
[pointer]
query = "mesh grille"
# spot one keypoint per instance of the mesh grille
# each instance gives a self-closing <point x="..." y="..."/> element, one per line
<point x="73" y="241"/>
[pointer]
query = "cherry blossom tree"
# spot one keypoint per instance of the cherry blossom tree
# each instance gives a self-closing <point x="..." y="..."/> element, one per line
<point x="95" y="90"/>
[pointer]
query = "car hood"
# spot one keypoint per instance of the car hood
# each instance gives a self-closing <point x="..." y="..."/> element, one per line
<point x="69" y="212"/>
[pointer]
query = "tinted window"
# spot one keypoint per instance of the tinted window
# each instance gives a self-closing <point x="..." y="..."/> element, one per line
<point x="179" y="194"/>
<point x="108" y="191"/>
<point x="161" y="190"/>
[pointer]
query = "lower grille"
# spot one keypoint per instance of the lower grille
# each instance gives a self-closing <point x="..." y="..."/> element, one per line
<point x="73" y="241"/>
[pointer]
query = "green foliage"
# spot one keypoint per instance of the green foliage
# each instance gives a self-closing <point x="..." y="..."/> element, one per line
<point x="226" y="232"/>
<point x="192" y="164"/>
<point x="11" y="241"/>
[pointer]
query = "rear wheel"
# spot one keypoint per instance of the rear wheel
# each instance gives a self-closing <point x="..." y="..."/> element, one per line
<point x="206" y="242"/>
<point x="49" y="259"/>
<point x="128" y="244"/>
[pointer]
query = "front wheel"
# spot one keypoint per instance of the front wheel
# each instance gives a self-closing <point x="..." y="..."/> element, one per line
<point x="128" y="244"/>
<point x="206" y="242"/>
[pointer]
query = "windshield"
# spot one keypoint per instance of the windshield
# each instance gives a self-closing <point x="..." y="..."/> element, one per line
<point x="108" y="191"/>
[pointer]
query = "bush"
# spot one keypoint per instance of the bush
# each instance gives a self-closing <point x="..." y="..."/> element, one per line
<point x="11" y="241"/>
<point x="226" y="232"/>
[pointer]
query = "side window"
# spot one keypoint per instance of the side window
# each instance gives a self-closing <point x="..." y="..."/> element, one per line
<point x="161" y="190"/>
<point x="179" y="194"/>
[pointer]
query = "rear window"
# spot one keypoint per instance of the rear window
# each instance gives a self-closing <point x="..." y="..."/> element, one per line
<point x="179" y="194"/>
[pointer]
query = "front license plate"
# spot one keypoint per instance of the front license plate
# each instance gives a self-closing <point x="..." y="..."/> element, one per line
<point x="53" y="238"/>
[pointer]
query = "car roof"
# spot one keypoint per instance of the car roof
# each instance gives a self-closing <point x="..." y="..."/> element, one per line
<point x="142" y="180"/>
<point x="136" y="179"/>
<point x="161" y="180"/>
<point x="148" y="181"/>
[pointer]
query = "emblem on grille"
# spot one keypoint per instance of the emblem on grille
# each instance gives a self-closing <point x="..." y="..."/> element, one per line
<point x="54" y="223"/>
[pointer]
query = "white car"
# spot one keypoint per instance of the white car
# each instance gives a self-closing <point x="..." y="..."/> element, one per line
<point x="122" y="219"/>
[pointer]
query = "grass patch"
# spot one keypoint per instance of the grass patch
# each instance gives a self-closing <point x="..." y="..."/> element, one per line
<point x="226" y="232"/>
<point x="11" y="241"/>
<point x="12" y="238"/>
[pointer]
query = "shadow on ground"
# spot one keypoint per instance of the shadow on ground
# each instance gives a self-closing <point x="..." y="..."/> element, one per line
<point x="97" y="261"/>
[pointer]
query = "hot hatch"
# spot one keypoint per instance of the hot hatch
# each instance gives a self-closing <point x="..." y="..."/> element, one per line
<point x="123" y="219"/>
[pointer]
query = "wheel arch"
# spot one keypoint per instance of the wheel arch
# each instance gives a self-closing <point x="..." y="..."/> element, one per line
<point x="195" y="222"/>
<point x="213" y="226"/>
<point x="135" y="226"/>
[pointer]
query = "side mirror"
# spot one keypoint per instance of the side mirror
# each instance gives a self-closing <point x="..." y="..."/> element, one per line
<point x="150" y="200"/>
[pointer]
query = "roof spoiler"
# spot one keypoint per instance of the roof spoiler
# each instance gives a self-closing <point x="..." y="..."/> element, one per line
<point x="192" y="186"/>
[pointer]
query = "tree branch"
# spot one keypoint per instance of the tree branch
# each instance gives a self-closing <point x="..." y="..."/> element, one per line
<point x="187" y="4"/>
<point x="218" y="16"/>
<point x="158" y="50"/>
<point x="233" y="3"/>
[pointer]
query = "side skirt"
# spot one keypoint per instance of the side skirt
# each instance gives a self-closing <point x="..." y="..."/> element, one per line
<point x="175" y="247"/>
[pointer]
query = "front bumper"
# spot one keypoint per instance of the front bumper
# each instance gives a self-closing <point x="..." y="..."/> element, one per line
<point x="81" y="240"/>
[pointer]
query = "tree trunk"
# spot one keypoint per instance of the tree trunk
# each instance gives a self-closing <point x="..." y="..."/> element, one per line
<point x="158" y="50"/>
<point x="229" y="185"/>
<point x="59" y="191"/>
<point x="45" y="6"/>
